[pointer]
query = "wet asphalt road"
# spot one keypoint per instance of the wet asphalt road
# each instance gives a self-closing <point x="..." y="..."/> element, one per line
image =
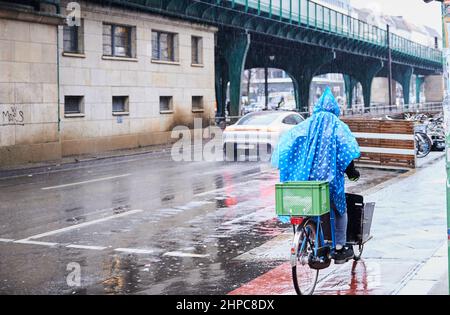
<point x="140" y="225"/>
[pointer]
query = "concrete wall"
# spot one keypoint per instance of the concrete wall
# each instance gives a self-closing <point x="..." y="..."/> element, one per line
<point x="434" y="88"/>
<point x="141" y="79"/>
<point x="380" y="91"/>
<point x="28" y="89"/>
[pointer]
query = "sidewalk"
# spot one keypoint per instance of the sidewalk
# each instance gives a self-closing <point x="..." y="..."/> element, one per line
<point x="431" y="278"/>
<point x="410" y="227"/>
<point x="407" y="254"/>
<point x="441" y="287"/>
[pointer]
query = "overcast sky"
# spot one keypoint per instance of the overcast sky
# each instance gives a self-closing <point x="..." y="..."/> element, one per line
<point x="416" y="11"/>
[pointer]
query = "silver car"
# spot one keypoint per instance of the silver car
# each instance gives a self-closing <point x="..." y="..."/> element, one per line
<point x="257" y="133"/>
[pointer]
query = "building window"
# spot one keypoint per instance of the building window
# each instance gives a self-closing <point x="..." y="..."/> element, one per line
<point x="73" y="105"/>
<point x="197" y="102"/>
<point x="120" y="104"/>
<point x="73" y="39"/>
<point x="197" y="50"/>
<point x="278" y="74"/>
<point x="118" y="40"/>
<point x="165" y="104"/>
<point x="164" y="46"/>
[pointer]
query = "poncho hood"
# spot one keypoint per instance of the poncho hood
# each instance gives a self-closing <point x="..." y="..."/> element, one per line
<point x="327" y="103"/>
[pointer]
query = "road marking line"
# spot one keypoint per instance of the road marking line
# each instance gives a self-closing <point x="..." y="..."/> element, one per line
<point x="181" y="254"/>
<point x="29" y="242"/>
<point x="135" y="250"/>
<point x="6" y="240"/>
<point x="85" y="182"/>
<point x="78" y="226"/>
<point x="86" y="247"/>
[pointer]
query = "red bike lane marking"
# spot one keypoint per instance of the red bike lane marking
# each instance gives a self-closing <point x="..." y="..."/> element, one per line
<point x="277" y="281"/>
<point x="350" y="279"/>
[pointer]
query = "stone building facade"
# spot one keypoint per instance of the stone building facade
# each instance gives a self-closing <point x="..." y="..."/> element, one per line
<point x="122" y="78"/>
<point x="28" y="86"/>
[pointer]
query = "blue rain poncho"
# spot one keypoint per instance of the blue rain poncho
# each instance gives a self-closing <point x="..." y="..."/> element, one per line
<point x="318" y="149"/>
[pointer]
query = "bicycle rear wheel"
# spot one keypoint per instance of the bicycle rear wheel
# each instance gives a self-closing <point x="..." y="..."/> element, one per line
<point x="304" y="277"/>
<point x="423" y="144"/>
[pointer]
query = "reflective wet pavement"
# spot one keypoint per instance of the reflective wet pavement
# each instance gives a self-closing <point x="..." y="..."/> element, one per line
<point x="146" y="225"/>
<point x="408" y="229"/>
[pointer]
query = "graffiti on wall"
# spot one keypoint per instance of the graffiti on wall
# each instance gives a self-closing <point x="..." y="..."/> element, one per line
<point x="12" y="116"/>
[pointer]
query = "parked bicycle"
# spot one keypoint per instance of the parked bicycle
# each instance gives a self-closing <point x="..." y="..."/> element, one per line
<point x="429" y="133"/>
<point x="423" y="141"/>
<point x="308" y="206"/>
<point x="435" y="129"/>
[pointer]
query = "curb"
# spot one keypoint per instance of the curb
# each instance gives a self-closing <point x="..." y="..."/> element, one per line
<point x="77" y="161"/>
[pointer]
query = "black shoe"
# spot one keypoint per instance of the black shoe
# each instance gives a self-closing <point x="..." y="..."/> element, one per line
<point x="343" y="255"/>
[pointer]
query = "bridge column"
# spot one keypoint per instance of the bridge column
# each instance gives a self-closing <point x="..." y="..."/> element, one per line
<point x="233" y="47"/>
<point x="350" y="84"/>
<point x="302" y="86"/>
<point x="302" y="73"/>
<point x="434" y="88"/>
<point x="419" y="81"/>
<point x="367" y="72"/>
<point x="221" y="82"/>
<point x="405" y="81"/>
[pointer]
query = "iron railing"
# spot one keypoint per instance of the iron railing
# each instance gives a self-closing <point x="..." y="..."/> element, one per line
<point x="313" y="15"/>
<point x="374" y="111"/>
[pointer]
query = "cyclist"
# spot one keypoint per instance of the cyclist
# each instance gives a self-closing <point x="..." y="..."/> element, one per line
<point x="322" y="148"/>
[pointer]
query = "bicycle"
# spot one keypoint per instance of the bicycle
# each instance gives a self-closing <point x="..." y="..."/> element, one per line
<point x="308" y="206"/>
<point x="423" y="142"/>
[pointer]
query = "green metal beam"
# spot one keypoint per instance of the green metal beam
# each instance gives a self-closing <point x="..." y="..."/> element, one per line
<point x="316" y="16"/>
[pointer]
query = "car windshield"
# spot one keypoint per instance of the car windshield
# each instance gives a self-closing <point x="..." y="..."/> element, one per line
<point x="259" y="119"/>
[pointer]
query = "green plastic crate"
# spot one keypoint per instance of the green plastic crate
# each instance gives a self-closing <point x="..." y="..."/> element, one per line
<point x="305" y="199"/>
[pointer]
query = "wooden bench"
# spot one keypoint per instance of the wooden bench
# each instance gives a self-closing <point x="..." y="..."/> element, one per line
<point x="384" y="143"/>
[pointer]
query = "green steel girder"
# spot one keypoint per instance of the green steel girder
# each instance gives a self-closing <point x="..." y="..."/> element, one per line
<point x="291" y="34"/>
<point x="366" y="76"/>
<point x="261" y="28"/>
<point x="251" y="24"/>
<point x="214" y="13"/>
<point x="401" y="74"/>
<point x="196" y="9"/>
<point x="283" y="31"/>
<point x="177" y="6"/>
<point x="224" y="19"/>
<point x="419" y="81"/>
<point x="350" y="84"/>
<point x="221" y="84"/>
<point x="210" y="13"/>
<point x="231" y="54"/>
<point x="273" y="29"/>
<point x="361" y="69"/>
<point x="237" y="20"/>
<point x="298" y="62"/>
<point x="304" y="36"/>
<point x="191" y="9"/>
